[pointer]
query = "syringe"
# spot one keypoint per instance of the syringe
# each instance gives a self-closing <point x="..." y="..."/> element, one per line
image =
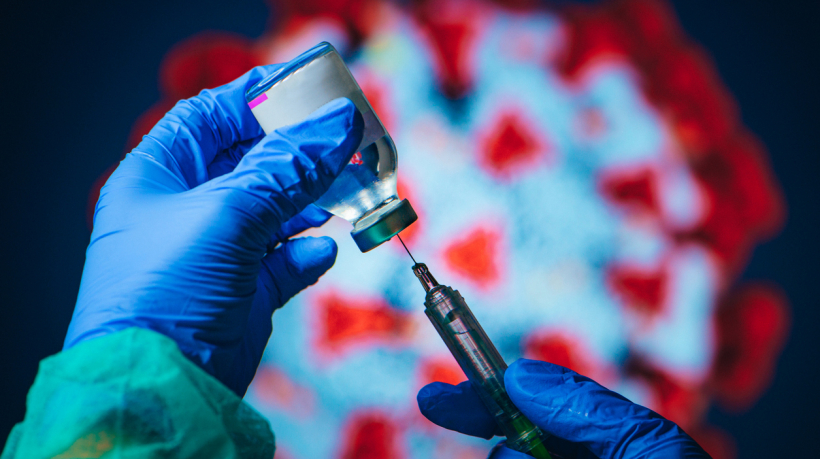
<point x="480" y="361"/>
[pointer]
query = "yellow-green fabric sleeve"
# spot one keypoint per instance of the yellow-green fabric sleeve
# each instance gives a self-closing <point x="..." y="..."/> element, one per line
<point x="132" y="394"/>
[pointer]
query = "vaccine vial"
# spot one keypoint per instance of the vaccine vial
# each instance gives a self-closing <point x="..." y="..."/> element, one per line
<point x="365" y="192"/>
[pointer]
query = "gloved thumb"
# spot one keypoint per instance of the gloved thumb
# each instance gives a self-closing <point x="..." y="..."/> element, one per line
<point x="457" y="408"/>
<point x="293" y="166"/>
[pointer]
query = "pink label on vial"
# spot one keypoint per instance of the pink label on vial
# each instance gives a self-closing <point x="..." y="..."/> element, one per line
<point x="257" y="101"/>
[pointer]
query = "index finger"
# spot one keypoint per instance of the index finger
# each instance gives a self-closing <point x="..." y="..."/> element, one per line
<point x="192" y="133"/>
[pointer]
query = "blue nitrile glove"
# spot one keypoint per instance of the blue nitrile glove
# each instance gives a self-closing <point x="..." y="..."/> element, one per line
<point x="583" y="418"/>
<point x="186" y="229"/>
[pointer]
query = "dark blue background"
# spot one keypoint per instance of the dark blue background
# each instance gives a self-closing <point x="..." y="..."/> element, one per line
<point x="75" y="76"/>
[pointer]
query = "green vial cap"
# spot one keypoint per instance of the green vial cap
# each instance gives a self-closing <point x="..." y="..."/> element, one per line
<point x="383" y="224"/>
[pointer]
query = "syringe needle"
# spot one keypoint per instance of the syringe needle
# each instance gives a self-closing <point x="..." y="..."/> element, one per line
<point x="405" y="248"/>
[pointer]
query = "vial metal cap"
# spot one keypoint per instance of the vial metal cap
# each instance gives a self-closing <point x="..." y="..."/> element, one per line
<point x="379" y="227"/>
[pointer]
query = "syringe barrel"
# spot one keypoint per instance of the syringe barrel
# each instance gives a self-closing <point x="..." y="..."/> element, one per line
<point x="483" y="365"/>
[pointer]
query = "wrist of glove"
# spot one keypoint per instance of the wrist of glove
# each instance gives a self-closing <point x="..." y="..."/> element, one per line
<point x="583" y="418"/>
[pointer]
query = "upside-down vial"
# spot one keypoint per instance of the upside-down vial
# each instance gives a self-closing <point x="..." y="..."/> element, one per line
<point x="365" y="192"/>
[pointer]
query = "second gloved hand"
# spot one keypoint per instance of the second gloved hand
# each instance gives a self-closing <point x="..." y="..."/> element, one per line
<point x="584" y="419"/>
<point x="186" y="229"/>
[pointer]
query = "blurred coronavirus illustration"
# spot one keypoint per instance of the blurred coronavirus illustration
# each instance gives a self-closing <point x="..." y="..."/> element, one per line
<point x="581" y="176"/>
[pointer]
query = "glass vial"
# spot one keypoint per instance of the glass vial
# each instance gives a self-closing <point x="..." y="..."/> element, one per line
<point x="365" y="192"/>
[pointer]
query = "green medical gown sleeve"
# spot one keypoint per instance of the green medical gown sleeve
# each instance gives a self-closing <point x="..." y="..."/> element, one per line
<point x="132" y="394"/>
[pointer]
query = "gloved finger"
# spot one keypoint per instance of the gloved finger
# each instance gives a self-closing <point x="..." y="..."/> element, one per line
<point x="226" y="160"/>
<point x="252" y="347"/>
<point x="294" y="266"/>
<point x="293" y="166"/>
<point x="457" y="408"/>
<point x="310" y="217"/>
<point x="195" y="130"/>
<point x="579" y="410"/>
<point x="254" y="337"/>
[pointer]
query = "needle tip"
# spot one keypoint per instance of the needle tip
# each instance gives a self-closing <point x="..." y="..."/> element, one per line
<point x="405" y="248"/>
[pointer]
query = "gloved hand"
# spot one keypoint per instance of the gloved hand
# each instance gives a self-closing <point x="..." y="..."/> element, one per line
<point x="186" y="229"/>
<point x="584" y="419"/>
